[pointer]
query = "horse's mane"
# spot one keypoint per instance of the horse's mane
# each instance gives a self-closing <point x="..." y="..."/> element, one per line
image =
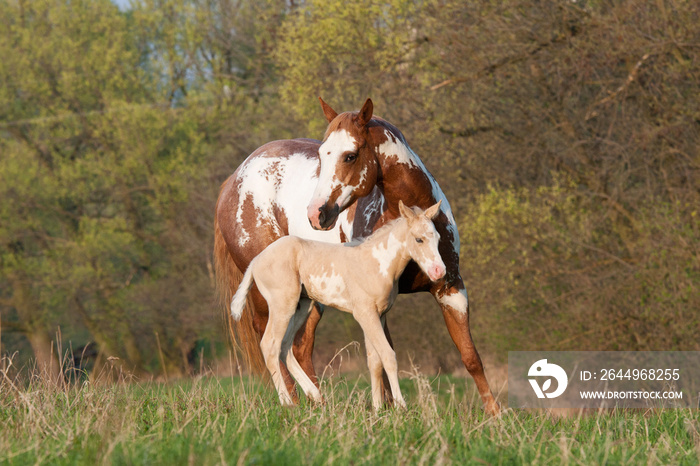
<point x="346" y="119"/>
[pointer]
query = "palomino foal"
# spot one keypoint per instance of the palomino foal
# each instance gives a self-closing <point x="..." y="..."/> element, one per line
<point x="360" y="278"/>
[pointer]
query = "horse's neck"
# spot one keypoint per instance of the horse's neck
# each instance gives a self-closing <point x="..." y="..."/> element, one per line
<point x="404" y="177"/>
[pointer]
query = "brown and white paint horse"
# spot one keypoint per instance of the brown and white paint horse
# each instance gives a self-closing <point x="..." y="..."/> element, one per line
<point x="337" y="190"/>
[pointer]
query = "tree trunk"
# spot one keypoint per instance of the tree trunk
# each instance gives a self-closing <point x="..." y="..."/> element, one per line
<point x="47" y="362"/>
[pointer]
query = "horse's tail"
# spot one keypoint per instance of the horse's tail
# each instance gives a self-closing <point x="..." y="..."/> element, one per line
<point x="243" y="336"/>
<point x="239" y="299"/>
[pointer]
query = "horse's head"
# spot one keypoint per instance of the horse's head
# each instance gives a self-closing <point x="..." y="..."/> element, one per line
<point x="349" y="165"/>
<point x="423" y="239"/>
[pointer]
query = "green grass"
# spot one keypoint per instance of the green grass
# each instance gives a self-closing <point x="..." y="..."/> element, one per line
<point x="221" y="420"/>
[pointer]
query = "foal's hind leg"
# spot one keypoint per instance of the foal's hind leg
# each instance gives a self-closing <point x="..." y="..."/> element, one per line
<point x="260" y="318"/>
<point x="304" y="342"/>
<point x="455" y="310"/>
<point x="309" y="388"/>
<point x="271" y="346"/>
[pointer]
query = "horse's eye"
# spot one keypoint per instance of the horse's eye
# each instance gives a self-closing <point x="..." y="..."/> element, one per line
<point x="419" y="240"/>
<point x="350" y="158"/>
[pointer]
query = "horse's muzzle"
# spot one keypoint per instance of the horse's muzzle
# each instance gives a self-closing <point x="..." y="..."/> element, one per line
<point x="323" y="217"/>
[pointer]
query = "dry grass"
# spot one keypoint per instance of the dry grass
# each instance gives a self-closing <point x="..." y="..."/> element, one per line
<point x="213" y="420"/>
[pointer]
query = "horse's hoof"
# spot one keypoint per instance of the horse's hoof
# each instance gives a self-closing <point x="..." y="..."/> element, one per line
<point x="493" y="408"/>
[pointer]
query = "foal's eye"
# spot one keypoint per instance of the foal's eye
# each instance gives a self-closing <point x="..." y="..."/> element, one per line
<point x="350" y="158"/>
<point x="419" y="240"/>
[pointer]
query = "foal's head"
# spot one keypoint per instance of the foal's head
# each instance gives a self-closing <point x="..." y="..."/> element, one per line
<point x="422" y="240"/>
<point x="349" y="165"/>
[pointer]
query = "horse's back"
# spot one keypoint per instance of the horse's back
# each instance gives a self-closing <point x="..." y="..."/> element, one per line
<point x="284" y="148"/>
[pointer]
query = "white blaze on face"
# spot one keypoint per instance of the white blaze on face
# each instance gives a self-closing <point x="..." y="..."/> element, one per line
<point x="385" y="253"/>
<point x="331" y="151"/>
<point x="426" y="253"/>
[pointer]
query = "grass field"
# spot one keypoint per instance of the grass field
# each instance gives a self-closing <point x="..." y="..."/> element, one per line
<point x="212" y="420"/>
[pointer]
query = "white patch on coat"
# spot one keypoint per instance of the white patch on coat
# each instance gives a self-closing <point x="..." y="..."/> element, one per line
<point x="385" y="253"/>
<point x="403" y="153"/>
<point x="329" y="289"/>
<point x="260" y="189"/>
<point x="290" y="189"/>
<point x="457" y="301"/>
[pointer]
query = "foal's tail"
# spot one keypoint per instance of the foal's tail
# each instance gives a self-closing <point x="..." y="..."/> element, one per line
<point x="239" y="299"/>
<point x="242" y="333"/>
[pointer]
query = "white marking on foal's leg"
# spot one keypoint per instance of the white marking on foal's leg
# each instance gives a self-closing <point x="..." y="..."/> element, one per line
<point x="297" y="320"/>
<point x="457" y="300"/>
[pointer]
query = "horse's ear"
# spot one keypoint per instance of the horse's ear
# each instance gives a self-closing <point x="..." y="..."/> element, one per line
<point x="432" y="211"/>
<point x="328" y="111"/>
<point x="366" y="113"/>
<point x="406" y="212"/>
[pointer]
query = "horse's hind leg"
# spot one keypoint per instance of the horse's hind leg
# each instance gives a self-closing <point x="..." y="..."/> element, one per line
<point x="300" y="316"/>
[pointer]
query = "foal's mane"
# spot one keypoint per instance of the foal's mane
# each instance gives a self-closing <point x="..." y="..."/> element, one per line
<point x="378" y="235"/>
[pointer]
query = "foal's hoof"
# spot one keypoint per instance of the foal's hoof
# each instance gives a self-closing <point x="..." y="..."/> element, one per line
<point x="318" y="400"/>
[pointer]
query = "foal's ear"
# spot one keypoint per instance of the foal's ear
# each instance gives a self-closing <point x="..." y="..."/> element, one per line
<point x="328" y="111"/>
<point x="406" y="212"/>
<point x="365" y="114"/>
<point x="432" y="211"/>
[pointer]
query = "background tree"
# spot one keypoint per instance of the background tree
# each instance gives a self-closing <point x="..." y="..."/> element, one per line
<point x="565" y="135"/>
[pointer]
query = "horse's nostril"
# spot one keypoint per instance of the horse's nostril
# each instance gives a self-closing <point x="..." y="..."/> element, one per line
<point x="321" y="215"/>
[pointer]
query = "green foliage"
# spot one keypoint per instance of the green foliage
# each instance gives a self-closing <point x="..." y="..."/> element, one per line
<point x="565" y="135"/>
<point x="552" y="275"/>
<point x="345" y="51"/>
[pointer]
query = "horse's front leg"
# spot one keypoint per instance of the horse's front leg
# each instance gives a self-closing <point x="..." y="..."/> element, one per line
<point x="304" y="342"/>
<point x="455" y="309"/>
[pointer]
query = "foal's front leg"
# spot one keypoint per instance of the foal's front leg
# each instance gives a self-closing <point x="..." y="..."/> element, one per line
<point x="379" y="353"/>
